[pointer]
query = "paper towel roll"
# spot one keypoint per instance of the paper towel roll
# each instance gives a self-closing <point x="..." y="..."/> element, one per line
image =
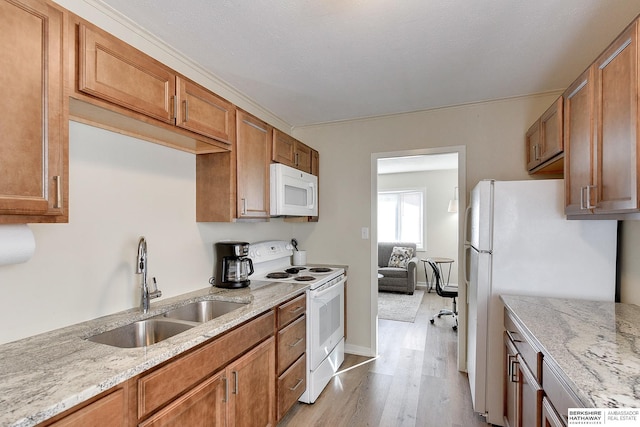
<point x="17" y="244"/>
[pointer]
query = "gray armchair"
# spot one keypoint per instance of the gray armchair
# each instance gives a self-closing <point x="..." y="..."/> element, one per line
<point x="396" y="279"/>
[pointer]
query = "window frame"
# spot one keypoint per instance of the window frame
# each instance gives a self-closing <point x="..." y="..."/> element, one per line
<point x="421" y="245"/>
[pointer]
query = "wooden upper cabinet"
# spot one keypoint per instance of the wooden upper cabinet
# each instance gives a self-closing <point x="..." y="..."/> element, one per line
<point x="112" y="70"/>
<point x="291" y="152"/>
<point x="578" y="145"/>
<point x="315" y="163"/>
<point x="34" y="123"/>
<point x="616" y="121"/>
<point x="201" y="111"/>
<point x="544" y="141"/>
<point x="253" y="151"/>
<point x="601" y="140"/>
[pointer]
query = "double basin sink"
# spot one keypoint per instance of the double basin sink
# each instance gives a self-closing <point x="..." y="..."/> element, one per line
<point x="158" y="328"/>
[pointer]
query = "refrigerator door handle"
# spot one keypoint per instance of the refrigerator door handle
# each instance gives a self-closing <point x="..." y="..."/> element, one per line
<point x="467" y="213"/>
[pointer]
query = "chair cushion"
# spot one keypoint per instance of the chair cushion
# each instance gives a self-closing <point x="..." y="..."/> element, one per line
<point x="400" y="256"/>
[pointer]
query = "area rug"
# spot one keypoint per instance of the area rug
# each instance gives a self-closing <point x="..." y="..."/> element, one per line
<point x="400" y="307"/>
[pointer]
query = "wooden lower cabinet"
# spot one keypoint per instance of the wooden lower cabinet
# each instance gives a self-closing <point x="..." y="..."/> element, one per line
<point x="107" y="411"/>
<point x="203" y="406"/>
<point x="251" y="399"/>
<point x="292" y="357"/>
<point x="241" y="395"/>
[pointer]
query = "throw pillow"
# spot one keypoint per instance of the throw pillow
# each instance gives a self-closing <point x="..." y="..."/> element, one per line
<point x="400" y="256"/>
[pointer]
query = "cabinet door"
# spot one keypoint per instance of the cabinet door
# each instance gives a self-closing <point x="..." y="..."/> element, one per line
<point x="533" y="142"/>
<point x="530" y="403"/>
<point x="253" y="159"/>
<point x="202" y="111"/>
<point x="116" y="72"/>
<point x="283" y="150"/>
<point x="510" y="384"/>
<point x="252" y="387"/>
<point x="203" y="406"/>
<point x="33" y="148"/>
<point x="303" y="157"/>
<point x="578" y="145"/>
<point x="616" y="83"/>
<point x="315" y="163"/>
<point x="551" y="131"/>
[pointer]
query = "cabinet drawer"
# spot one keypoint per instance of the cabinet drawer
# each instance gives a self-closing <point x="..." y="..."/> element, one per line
<point x="162" y="385"/>
<point x="291" y="385"/>
<point x="558" y="394"/>
<point x="528" y="351"/>
<point x="288" y="311"/>
<point x="292" y="342"/>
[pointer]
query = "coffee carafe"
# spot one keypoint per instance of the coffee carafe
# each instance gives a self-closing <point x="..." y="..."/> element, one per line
<point x="233" y="267"/>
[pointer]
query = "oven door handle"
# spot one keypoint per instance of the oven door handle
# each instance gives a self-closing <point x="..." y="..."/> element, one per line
<point x="318" y="294"/>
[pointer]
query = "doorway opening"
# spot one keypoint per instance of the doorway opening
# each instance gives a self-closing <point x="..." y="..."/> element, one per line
<point x="428" y="185"/>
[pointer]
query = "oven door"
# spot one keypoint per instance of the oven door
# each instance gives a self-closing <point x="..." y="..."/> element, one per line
<point x="325" y="321"/>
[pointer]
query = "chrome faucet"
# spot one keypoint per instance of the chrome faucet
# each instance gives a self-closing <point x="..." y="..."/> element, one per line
<point x="141" y="268"/>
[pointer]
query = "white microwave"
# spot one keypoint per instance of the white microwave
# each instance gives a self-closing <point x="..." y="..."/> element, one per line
<point x="293" y="192"/>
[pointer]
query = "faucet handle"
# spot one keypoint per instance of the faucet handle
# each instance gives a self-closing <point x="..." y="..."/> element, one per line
<point x="155" y="292"/>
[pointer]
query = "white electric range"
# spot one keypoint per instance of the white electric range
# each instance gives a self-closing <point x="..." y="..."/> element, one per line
<point x="325" y="308"/>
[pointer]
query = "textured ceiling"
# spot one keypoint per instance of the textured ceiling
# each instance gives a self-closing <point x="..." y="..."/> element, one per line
<point x="316" y="61"/>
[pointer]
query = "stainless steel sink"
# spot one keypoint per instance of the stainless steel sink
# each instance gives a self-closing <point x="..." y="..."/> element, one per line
<point x="141" y="333"/>
<point x="203" y="311"/>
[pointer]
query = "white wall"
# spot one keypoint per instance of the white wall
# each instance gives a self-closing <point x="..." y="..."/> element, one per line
<point x="440" y="226"/>
<point x="120" y="188"/>
<point x="493" y="133"/>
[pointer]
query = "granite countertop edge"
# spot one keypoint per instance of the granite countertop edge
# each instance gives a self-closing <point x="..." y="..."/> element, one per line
<point x="589" y="344"/>
<point x="62" y="369"/>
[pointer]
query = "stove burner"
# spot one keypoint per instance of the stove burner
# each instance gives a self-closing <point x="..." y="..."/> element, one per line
<point x="304" y="278"/>
<point x="295" y="270"/>
<point x="320" y="270"/>
<point x="278" y="275"/>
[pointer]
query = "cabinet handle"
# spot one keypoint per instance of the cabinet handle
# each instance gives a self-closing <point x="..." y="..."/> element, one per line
<point x="297" y="309"/>
<point x="186" y="110"/>
<point x="226" y="389"/>
<point x="536" y="150"/>
<point x="58" y="202"/>
<point x="174" y="108"/>
<point x="589" y="205"/>
<point x="235" y="382"/>
<point x="300" y="381"/>
<point x="513" y="368"/>
<point x="244" y="206"/>
<point x="297" y="342"/>
<point x="296" y="159"/>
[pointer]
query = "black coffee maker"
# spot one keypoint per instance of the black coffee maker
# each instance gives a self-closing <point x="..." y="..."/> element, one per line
<point x="233" y="267"/>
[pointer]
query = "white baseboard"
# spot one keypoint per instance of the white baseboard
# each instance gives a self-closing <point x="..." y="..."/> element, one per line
<point x="358" y="350"/>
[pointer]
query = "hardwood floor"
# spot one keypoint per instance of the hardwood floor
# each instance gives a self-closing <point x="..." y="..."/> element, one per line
<point x="413" y="382"/>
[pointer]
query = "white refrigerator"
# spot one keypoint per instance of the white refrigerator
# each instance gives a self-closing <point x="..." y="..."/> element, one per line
<point x="519" y="242"/>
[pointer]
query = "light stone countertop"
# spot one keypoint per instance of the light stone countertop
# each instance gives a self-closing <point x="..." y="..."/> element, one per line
<point x="596" y="345"/>
<point x="44" y="375"/>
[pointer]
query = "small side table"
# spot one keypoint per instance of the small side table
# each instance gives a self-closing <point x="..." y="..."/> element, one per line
<point x="438" y="261"/>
